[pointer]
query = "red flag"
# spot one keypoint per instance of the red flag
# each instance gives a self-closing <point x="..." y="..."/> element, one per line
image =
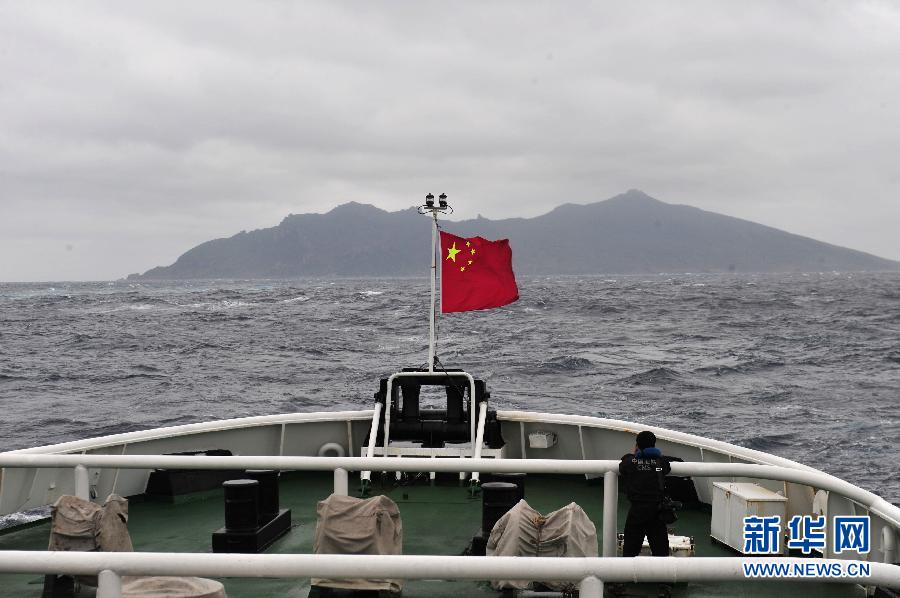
<point x="476" y="273"/>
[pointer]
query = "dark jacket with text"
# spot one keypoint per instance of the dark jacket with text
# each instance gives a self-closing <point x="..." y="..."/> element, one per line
<point x="641" y="475"/>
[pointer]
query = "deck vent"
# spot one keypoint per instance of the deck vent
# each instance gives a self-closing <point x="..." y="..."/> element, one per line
<point x="252" y="517"/>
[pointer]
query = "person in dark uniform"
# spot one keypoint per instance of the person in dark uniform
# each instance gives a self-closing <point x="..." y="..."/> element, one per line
<point x="642" y="474"/>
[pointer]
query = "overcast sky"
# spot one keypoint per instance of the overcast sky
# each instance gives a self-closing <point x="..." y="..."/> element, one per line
<point x="131" y="131"/>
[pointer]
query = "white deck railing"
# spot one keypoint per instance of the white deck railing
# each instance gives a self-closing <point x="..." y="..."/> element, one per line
<point x="589" y="571"/>
<point x="807" y="477"/>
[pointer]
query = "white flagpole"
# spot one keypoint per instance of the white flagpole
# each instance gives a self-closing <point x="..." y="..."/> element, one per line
<point x="434" y="234"/>
<point x="430" y="208"/>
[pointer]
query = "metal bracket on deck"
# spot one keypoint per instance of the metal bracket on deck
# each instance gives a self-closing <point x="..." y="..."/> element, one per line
<point x="431" y="428"/>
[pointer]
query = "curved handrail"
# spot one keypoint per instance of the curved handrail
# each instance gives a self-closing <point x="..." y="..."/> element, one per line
<point x="205" y="427"/>
<point x="615" y="569"/>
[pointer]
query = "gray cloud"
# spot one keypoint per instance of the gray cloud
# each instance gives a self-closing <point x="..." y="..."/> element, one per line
<point x="131" y="131"/>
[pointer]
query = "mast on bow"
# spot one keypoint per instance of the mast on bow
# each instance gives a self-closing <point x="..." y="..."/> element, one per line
<point x="432" y="209"/>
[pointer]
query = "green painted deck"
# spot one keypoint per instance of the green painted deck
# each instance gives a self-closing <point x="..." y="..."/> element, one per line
<point x="437" y="520"/>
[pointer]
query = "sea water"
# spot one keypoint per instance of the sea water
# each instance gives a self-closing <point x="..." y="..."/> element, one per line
<point x="805" y="366"/>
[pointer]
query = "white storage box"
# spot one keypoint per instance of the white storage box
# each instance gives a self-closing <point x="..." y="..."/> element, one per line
<point x="541" y="440"/>
<point x="680" y="546"/>
<point x="734" y="501"/>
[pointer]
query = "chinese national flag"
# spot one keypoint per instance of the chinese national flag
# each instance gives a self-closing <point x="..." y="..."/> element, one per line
<point x="475" y="273"/>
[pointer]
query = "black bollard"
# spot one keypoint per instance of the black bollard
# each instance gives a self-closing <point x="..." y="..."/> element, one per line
<point x="513" y="478"/>
<point x="497" y="499"/>
<point x="268" y="493"/>
<point x="250" y="525"/>
<point x="241" y="505"/>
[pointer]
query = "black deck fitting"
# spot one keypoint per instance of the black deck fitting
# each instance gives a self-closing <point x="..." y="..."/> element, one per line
<point x="253" y="520"/>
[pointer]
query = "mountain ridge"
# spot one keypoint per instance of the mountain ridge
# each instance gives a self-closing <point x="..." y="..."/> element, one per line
<point x="631" y="233"/>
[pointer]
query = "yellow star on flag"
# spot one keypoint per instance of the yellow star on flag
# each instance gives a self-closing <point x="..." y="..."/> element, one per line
<point x="452" y="251"/>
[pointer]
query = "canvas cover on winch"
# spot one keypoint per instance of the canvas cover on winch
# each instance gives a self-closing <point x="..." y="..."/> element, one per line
<point x="522" y="531"/>
<point x="80" y="525"/>
<point x="349" y="525"/>
<point x="171" y="587"/>
<point x="73" y="521"/>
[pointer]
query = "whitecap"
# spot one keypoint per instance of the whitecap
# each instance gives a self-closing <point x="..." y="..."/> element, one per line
<point x="23" y="517"/>
<point x="227" y="303"/>
<point x="299" y="299"/>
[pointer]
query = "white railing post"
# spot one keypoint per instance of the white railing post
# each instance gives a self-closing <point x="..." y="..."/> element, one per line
<point x="479" y="436"/>
<point x="386" y="426"/>
<point x="82" y="483"/>
<point x="590" y="587"/>
<point x="341" y="482"/>
<point x="610" y="512"/>
<point x="109" y="584"/>
<point x="365" y="476"/>
<point x="472" y="406"/>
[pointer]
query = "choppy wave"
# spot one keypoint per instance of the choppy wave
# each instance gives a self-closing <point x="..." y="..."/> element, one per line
<point x="741" y="367"/>
<point x="567" y="363"/>
<point x="653" y="376"/>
